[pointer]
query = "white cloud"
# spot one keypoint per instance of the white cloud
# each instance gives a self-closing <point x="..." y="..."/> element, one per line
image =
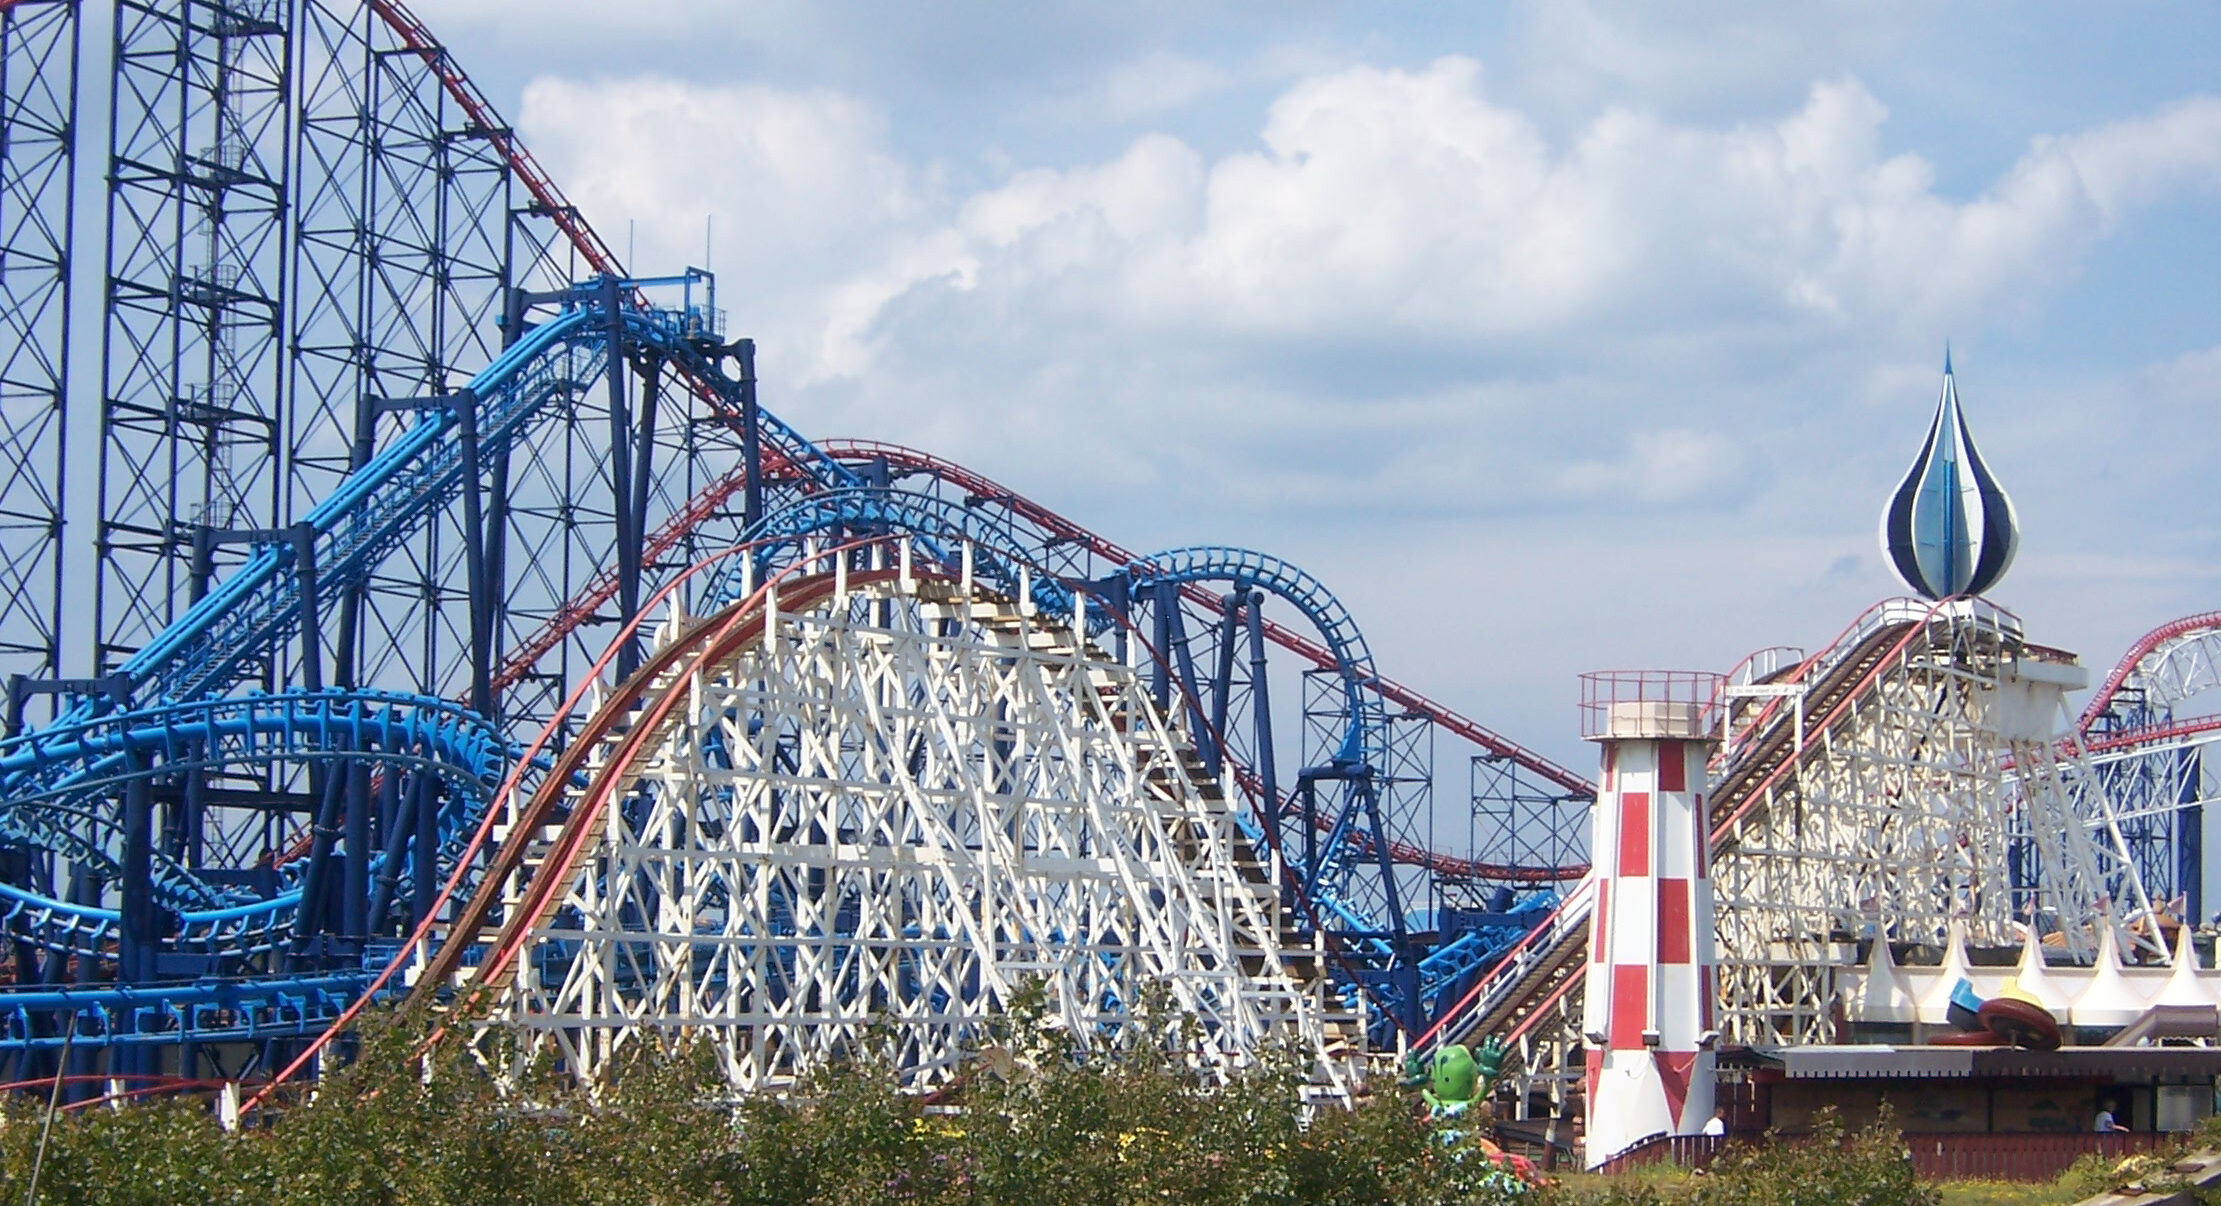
<point x="1698" y="57"/>
<point x="792" y="195"/>
<point x="798" y="173"/>
<point x="1535" y="381"/>
<point x="1667" y="466"/>
<point x="596" y="20"/>
<point x="1159" y="82"/>
<point x="1639" y="313"/>
<point x="1409" y="203"/>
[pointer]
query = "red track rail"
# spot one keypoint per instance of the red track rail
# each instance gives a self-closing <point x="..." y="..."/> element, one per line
<point x="2102" y="701"/>
<point x="566" y="217"/>
<point x="2151" y="733"/>
<point x="911" y="460"/>
<point x="420" y="41"/>
<point x="712" y="499"/>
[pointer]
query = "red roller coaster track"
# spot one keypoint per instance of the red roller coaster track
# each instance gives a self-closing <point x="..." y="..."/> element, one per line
<point x="558" y="209"/>
<point x="913" y="461"/>
<point x="2205" y="621"/>
<point x="711" y="501"/>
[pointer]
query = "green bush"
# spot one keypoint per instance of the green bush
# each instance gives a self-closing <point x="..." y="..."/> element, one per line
<point x="378" y="1132"/>
<point x="1824" y="1168"/>
<point x="2091" y="1174"/>
<point x="1037" y="1125"/>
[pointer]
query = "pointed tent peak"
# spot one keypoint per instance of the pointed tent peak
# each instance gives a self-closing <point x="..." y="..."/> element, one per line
<point x="2186" y="984"/>
<point x="2032" y="979"/>
<point x="1947" y="358"/>
<point x="1955" y="947"/>
<point x="2108" y="998"/>
<point x="1885" y="996"/>
<point x="1984" y="979"/>
<point x="2109" y="943"/>
<point x="1935" y="1002"/>
<point x="1881" y="956"/>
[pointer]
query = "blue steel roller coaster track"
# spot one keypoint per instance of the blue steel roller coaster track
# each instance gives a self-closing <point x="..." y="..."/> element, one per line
<point x="54" y="780"/>
<point x="191" y="957"/>
<point x="95" y="752"/>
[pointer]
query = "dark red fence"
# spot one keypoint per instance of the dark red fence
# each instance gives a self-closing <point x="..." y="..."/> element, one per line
<point x="1936" y="1156"/>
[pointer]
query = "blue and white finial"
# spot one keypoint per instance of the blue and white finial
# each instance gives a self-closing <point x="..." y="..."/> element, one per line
<point x="1949" y="530"/>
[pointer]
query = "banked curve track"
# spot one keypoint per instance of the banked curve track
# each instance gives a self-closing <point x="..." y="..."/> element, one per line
<point x="207" y="692"/>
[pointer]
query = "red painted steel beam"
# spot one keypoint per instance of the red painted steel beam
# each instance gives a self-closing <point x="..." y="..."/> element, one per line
<point x="2152" y="734"/>
<point x="420" y="41"/>
<point x="2102" y="702"/>
<point x="1318" y="655"/>
<point x="710" y="501"/>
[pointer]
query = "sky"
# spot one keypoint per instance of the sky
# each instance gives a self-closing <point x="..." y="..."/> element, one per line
<point x="1550" y="336"/>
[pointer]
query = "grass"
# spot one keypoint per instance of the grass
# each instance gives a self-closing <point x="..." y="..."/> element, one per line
<point x="1671" y="1183"/>
<point x="2007" y="1193"/>
<point x="1668" y="1180"/>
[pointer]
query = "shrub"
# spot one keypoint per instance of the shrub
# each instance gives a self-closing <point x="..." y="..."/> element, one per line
<point x="2090" y="1175"/>
<point x="1038" y="1125"/>
<point x="1824" y="1168"/>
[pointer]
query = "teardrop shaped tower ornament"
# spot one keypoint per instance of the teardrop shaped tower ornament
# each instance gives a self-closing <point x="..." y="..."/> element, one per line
<point x="1949" y="529"/>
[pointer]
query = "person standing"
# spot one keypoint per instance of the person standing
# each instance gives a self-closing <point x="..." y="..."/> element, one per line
<point x="2107" y="1124"/>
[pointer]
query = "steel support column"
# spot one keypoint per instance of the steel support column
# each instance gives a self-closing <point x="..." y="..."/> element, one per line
<point x="38" y="165"/>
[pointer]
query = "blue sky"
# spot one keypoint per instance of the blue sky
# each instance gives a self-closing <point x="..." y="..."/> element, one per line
<point x="1551" y="336"/>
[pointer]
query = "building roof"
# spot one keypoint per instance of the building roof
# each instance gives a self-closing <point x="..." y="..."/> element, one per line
<point x="2068" y="1063"/>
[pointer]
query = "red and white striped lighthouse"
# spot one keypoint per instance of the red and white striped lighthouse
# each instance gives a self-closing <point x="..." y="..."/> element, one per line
<point x="1648" y="1017"/>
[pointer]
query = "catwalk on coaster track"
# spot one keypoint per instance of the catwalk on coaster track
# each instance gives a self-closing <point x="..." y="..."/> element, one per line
<point x="340" y="446"/>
